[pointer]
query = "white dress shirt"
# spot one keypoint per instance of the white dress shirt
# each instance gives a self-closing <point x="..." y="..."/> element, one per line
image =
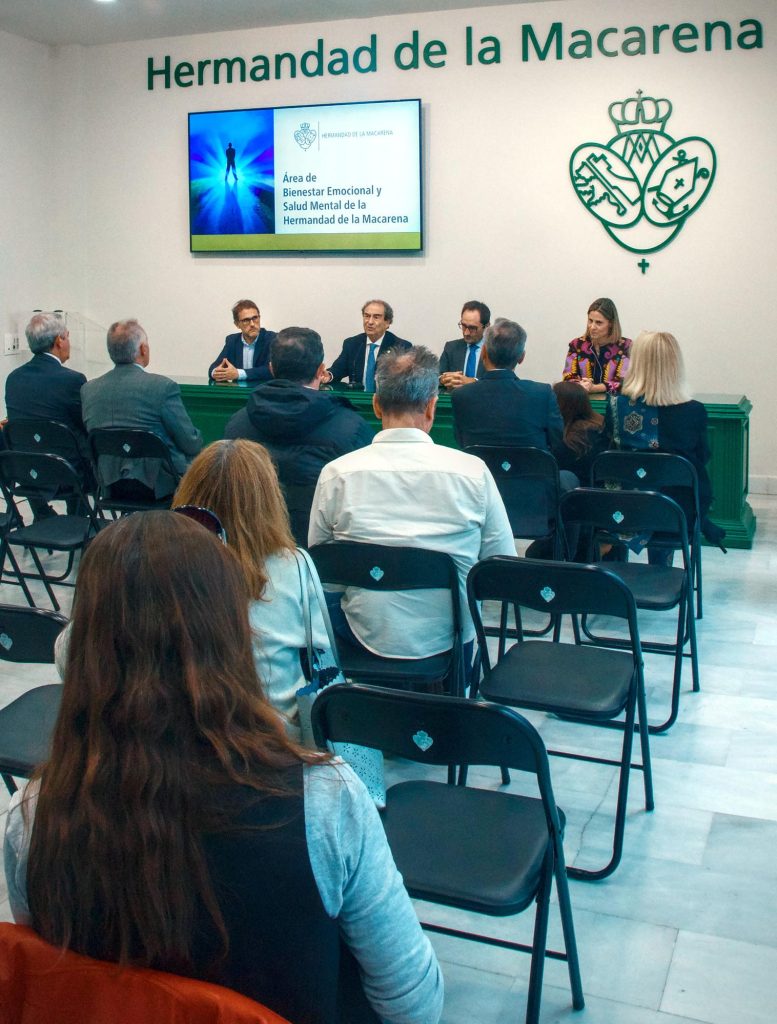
<point x="405" y="490"/>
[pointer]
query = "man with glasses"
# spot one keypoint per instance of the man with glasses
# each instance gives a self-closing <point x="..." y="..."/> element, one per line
<point x="360" y="354"/>
<point x="246" y="354"/>
<point x="460" y="362"/>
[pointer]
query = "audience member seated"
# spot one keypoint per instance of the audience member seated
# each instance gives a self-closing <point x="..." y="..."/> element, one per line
<point x="303" y="428"/>
<point x="405" y="490"/>
<point x="460" y="362"/>
<point x="359" y="355"/>
<point x="654" y="413"/>
<point x="129" y="396"/>
<point x="237" y="480"/>
<point x="44" y="388"/>
<point x="176" y="826"/>
<point x="599" y="358"/>
<point x="584" y="434"/>
<point x="246" y="353"/>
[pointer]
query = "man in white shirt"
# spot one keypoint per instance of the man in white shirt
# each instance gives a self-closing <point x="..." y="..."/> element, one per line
<point x="403" y="489"/>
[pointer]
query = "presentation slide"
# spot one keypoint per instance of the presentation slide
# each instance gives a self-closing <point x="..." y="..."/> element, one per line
<point x="335" y="177"/>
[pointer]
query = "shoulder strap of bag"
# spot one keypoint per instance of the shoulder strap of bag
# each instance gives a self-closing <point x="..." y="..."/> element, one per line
<point x="311" y="577"/>
<point x="303" y="574"/>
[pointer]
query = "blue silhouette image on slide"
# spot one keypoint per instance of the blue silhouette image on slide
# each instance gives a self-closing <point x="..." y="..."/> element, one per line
<point x="238" y="199"/>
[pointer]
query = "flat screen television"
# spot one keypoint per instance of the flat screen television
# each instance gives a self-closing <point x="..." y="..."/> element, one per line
<point x="335" y="177"/>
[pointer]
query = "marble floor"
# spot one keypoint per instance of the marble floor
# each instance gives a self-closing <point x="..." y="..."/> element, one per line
<point x="686" y="929"/>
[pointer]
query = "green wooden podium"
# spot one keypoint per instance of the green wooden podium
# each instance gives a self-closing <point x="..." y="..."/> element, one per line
<point x="211" y="405"/>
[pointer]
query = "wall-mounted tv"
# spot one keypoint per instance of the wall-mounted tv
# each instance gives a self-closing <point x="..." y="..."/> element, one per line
<point x="333" y="177"/>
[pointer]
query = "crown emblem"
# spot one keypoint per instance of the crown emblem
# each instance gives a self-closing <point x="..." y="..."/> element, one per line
<point x="646" y="113"/>
<point x="305" y="136"/>
<point x="642" y="184"/>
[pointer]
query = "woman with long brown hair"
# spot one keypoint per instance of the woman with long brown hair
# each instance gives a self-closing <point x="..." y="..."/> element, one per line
<point x="175" y="825"/>
<point x="584" y="434"/>
<point x="237" y="480"/>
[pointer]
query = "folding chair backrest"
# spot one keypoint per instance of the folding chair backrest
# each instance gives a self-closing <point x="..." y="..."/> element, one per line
<point x="562" y="588"/>
<point x="644" y="471"/>
<point x="127" y="443"/>
<point x="430" y="729"/>
<point x="382" y="567"/>
<point x="40" y="435"/>
<point x="528" y="482"/>
<point x="27" y="635"/>
<point x="26" y="470"/>
<point x="624" y="512"/>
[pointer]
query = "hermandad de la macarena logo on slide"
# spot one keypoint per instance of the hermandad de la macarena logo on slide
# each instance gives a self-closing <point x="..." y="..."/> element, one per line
<point x="643" y="185"/>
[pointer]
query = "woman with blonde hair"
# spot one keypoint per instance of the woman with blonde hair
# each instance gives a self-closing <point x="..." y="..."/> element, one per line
<point x="599" y="358"/>
<point x="654" y="413"/>
<point x="176" y="826"/>
<point x="237" y="481"/>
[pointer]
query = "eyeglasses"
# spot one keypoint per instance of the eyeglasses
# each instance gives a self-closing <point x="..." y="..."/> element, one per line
<point x="249" y="320"/>
<point x="205" y="518"/>
<point x="467" y="328"/>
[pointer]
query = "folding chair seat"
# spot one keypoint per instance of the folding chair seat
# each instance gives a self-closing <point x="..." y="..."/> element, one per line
<point x="486" y="851"/>
<point x="52" y="438"/>
<point x="27" y="637"/>
<point x="69" y="533"/>
<point x="384" y="568"/>
<point x="109" y="444"/>
<point x="593" y="686"/>
<point x="668" y="474"/>
<point x="611" y="514"/>
<point x="40" y="982"/>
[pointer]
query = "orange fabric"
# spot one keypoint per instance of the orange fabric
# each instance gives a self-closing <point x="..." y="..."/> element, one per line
<point x="41" y="985"/>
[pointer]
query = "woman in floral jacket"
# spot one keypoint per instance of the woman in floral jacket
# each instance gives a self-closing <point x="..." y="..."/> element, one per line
<point x="599" y="359"/>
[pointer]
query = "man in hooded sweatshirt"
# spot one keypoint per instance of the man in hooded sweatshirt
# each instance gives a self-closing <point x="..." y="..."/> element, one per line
<point x="302" y="428"/>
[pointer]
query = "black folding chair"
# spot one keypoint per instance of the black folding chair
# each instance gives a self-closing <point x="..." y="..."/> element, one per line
<point x="668" y="474"/>
<point x="122" y="443"/>
<point x="607" y="515"/>
<point x="19" y="471"/>
<point x="593" y="686"/>
<point x="27" y="636"/>
<point x="384" y="568"/>
<point x="52" y="438"/>
<point x="479" y="850"/>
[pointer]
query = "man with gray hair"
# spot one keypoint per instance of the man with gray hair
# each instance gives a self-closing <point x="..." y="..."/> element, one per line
<point x="44" y="388"/>
<point x="129" y="396"/>
<point x="405" y="490"/>
<point x="502" y="408"/>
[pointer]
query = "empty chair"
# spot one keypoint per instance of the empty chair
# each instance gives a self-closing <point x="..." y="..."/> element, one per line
<point x="656" y="588"/>
<point x="385" y="568"/>
<point x="592" y="685"/>
<point x="27" y="636"/>
<point x="485" y="851"/>
<point x="69" y="533"/>
<point x="52" y="438"/>
<point x="112" y="445"/>
<point x="669" y="474"/>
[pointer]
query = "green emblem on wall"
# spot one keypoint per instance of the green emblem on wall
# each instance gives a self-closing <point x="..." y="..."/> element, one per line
<point x="643" y="185"/>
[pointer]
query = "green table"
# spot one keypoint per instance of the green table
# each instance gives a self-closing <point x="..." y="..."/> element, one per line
<point x="211" y="405"/>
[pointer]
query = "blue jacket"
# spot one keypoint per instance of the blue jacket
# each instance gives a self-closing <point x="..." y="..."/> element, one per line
<point x="233" y="351"/>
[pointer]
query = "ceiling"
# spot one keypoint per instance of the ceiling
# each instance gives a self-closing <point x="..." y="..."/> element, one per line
<point x="90" y="22"/>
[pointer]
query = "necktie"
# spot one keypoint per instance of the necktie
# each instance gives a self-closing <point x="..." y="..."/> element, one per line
<point x="369" y="376"/>
<point x="472" y="361"/>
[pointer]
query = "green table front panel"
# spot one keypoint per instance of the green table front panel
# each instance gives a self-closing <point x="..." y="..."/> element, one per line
<point x="211" y="405"/>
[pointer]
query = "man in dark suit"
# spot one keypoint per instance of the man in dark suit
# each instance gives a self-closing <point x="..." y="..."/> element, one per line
<point x="128" y="396"/>
<point x="360" y="353"/>
<point x="246" y="354"/>
<point x="44" y="388"/>
<point x="500" y="408"/>
<point x="461" y="362"/>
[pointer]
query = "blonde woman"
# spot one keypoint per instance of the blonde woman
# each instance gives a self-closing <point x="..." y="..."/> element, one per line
<point x="237" y="480"/>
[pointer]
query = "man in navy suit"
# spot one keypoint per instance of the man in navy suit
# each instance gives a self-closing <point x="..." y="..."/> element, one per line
<point x="44" y="388"/>
<point x="500" y="408"/>
<point x="246" y="354"/>
<point x="360" y="354"/>
<point x="461" y="362"/>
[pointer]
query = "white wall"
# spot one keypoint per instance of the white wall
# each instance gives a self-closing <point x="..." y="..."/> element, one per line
<point x="502" y="221"/>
